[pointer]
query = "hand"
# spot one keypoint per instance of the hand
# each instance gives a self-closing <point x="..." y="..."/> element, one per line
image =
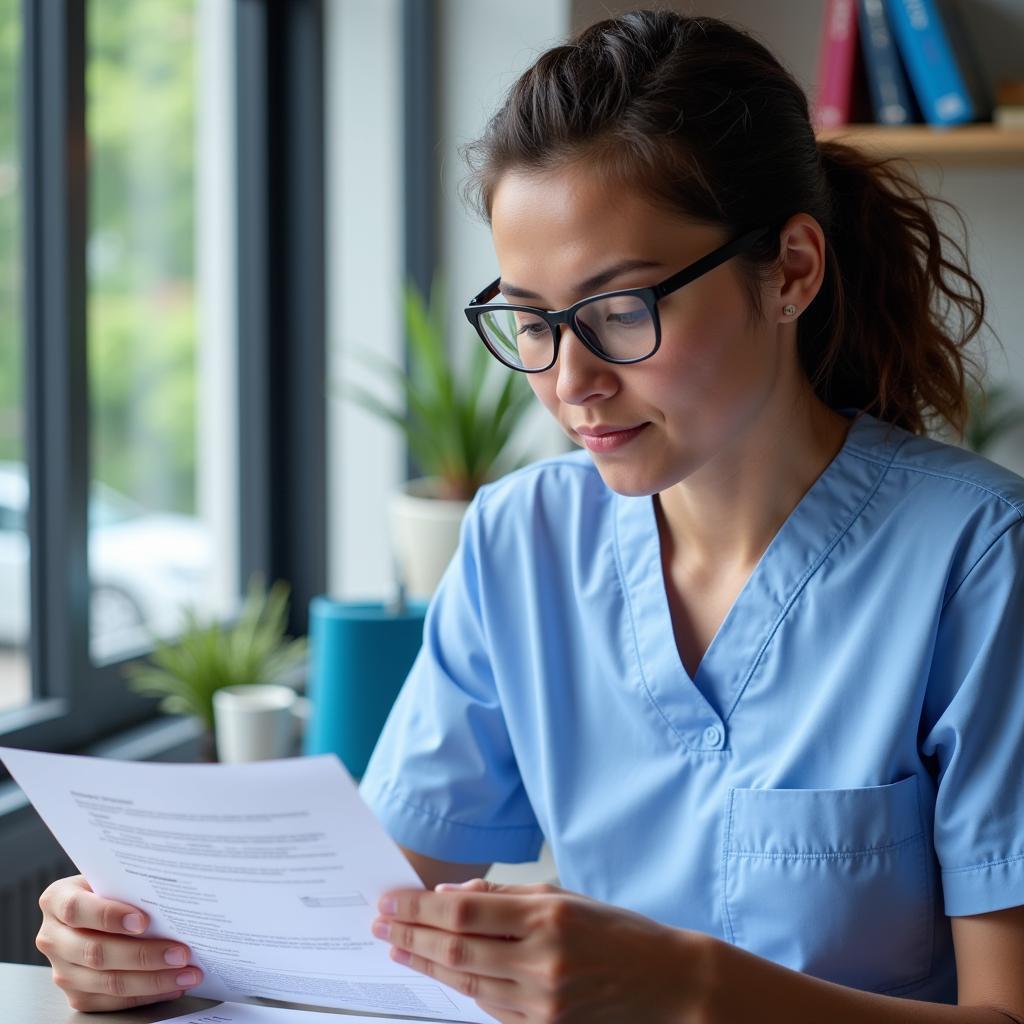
<point x="97" y="963"/>
<point x="537" y="953"/>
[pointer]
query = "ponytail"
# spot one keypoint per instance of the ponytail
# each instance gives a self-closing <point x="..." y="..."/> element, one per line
<point x="898" y="304"/>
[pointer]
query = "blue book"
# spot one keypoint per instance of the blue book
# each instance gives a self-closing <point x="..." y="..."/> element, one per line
<point x="966" y="55"/>
<point x="938" y="79"/>
<point x="891" y="99"/>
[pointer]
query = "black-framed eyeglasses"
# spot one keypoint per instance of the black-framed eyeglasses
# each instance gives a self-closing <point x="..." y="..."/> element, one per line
<point x="619" y="326"/>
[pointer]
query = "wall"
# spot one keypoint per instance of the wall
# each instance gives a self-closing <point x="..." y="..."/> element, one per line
<point x="364" y="260"/>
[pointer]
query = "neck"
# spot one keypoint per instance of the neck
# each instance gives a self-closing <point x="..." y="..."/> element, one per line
<point x="721" y="518"/>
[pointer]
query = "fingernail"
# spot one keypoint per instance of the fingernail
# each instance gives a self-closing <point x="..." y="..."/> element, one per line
<point x="382" y="929"/>
<point x="132" y="922"/>
<point x="176" y="957"/>
<point x="388" y="905"/>
<point x="401" y="956"/>
<point x="186" y="979"/>
<point x="445" y="886"/>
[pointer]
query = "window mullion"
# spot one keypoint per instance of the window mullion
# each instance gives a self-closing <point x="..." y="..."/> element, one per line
<point x="281" y="295"/>
<point x="56" y="386"/>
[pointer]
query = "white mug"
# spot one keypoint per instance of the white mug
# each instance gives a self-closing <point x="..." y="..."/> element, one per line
<point x="255" y="721"/>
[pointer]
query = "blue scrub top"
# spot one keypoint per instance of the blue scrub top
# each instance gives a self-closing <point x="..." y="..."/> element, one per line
<point x="845" y="770"/>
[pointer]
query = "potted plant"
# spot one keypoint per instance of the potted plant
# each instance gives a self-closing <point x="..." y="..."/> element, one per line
<point x="993" y="414"/>
<point x="457" y="425"/>
<point x="187" y="671"/>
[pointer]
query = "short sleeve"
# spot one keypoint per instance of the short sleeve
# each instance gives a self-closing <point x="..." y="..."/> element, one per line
<point x="443" y="778"/>
<point x="974" y="728"/>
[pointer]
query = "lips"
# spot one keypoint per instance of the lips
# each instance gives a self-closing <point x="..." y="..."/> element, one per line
<point x="601" y="431"/>
<point x="605" y="438"/>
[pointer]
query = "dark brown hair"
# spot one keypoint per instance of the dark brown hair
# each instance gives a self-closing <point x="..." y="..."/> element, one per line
<point x="703" y="120"/>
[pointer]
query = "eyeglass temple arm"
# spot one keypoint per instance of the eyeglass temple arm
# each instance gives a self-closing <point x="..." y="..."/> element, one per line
<point x="709" y="262"/>
<point x="487" y="294"/>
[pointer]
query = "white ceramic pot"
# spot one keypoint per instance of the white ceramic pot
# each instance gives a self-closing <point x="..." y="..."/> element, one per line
<point x="425" y="532"/>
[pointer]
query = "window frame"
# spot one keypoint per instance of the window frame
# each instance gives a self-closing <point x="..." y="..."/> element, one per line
<point x="281" y="364"/>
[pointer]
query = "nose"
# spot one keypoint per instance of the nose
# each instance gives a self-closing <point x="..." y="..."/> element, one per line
<point x="582" y="376"/>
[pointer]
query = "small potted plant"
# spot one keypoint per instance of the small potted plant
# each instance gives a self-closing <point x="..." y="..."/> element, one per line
<point x="186" y="672"/>
<point x="458" y="426"/>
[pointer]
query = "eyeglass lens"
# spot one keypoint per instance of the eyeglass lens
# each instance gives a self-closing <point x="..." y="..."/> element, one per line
<point x="619" y="327"/>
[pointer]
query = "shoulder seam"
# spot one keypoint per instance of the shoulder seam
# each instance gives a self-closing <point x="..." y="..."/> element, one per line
<point x="1018" y="507"/>
<point x="988" y="547"/>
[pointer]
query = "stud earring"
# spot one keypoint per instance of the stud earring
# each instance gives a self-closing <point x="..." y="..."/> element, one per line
<point x="789" y="310"/>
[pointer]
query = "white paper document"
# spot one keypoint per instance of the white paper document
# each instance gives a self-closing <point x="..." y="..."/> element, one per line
<point x="270" y="872"/>
<point x="237" y="1013"/>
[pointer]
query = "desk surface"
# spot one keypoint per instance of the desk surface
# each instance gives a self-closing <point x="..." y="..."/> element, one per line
<point x="27" y="996"/>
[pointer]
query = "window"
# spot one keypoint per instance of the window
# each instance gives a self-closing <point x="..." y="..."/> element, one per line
<point x="162" y="379"/>
<point x="149" y="461"/>
<point x="161" y="400"/>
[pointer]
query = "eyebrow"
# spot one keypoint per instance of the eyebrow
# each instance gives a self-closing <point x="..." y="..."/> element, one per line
<point x="587" y="286"/>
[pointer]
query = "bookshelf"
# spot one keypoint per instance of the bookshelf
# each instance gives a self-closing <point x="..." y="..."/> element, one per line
<point x="792" y="30"/>
<point x="973" y="145"/>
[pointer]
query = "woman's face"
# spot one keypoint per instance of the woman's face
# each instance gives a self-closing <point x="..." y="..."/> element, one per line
<point x="701" y="392"/>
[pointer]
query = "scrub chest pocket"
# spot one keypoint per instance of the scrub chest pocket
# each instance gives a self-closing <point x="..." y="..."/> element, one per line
<point x="836" y="883"/>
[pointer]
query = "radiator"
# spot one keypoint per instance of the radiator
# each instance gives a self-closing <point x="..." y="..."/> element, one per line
<point x="30" y="859"/>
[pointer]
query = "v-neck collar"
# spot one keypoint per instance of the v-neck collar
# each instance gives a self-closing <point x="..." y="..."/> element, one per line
<point x="698" y="709"/>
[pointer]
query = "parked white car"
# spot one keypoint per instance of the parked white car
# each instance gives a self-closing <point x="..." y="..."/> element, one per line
<point x="144" y="566"/>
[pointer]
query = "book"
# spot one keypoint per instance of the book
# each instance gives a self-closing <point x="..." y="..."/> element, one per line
<point x="966" y="55"/>
<point x="892" y="101"/>
<point x="933" y="45"/>
<point x="836" y="64"/>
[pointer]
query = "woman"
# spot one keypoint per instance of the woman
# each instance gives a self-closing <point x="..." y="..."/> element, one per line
<point x="752" y="662"/>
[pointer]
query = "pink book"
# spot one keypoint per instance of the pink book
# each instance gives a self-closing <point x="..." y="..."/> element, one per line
<point x="836" y="64"/>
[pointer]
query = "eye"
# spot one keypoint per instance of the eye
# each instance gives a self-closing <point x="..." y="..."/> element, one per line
<point x="532" y="328"/>
<point x="629" y="319"/>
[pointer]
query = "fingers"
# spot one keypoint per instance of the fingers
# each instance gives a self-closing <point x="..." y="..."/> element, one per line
<point x="483" y="885"/>
<point x="504" y="914"/>
<point x="501" y="1013"/>
<point x="100" y="952"/>
<point x="87" y="1003"/>
<point x="72" y="902"/>
<point x="95" y="960"/>
<point x="123" y="985"/>
<point x="478" y="954"/>
<point x="495" y="991"/>
<point x="474" y="884"/>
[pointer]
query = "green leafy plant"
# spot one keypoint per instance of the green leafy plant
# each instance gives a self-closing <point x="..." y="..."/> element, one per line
<point x="457" y="425"/>
<point x="993" y="413"/>
<point x="186" y="672"/>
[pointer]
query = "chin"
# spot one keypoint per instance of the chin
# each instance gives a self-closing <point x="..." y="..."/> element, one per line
<point x="636" y="479"/>
<point x="629" y="481"/>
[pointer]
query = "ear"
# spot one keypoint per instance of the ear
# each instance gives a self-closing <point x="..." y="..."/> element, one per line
<point x="801" y="267"/>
